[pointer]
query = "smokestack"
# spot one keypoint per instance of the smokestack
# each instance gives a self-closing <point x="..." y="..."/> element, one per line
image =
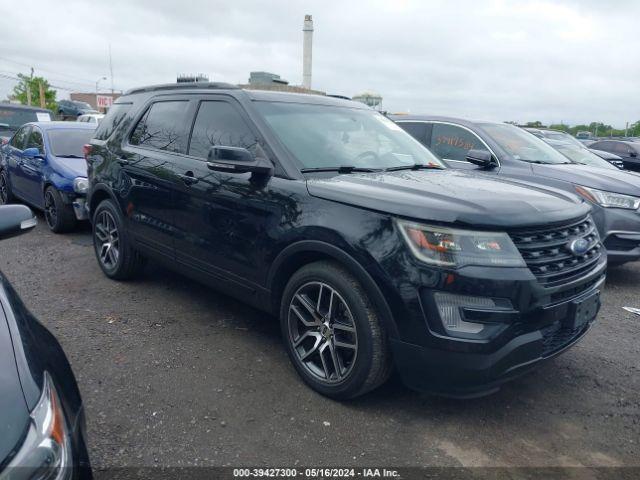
<point x="307" y="46"/>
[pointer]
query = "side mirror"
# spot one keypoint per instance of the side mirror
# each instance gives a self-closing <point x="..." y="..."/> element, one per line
<point x="633" y="153"/>
<point x="31" y="153"/>
<point x="482" y="158"/>
<point x="15" y="220"/>
<point x="237" y="160"/>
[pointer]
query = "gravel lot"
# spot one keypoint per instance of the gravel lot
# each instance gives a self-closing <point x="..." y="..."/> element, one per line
<point x="175" y="374"/>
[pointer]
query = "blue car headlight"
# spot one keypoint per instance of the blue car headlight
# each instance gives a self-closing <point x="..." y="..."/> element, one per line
<point x="81" y="185"/>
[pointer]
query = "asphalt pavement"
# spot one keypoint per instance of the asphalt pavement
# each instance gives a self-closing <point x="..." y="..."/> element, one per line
<point x="175" y="374"/>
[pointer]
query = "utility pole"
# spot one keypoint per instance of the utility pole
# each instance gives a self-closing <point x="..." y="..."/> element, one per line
<point x="29" y="87"/>
<point x="42" y="99"/>
<point x="111" y="70"/>
<point x="626" y="130"/>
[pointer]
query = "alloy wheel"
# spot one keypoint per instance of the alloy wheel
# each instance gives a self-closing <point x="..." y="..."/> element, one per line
<point x="322" y="332"/>
<point x="50" y="210"/>
<point x="4" y="190"/>
<point x="108" y="239"/>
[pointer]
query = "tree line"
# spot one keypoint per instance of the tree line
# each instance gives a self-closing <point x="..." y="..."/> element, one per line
<point x="597" y="129"/>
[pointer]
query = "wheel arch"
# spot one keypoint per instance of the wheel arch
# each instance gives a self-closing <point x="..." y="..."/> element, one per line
<point x="99" y="193"/>
<point x="301" y="253"/>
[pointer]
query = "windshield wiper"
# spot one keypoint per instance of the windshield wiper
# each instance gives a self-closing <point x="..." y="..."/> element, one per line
<point x="342" y="169"/>
<point x="417" y="166"/>
<point x="68" y="156"/>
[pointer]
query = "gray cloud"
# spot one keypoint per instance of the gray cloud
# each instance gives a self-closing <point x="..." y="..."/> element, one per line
<point x="571" y="61"/>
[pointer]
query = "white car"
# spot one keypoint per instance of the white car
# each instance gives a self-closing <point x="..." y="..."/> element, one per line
<point x="91" y="118"/>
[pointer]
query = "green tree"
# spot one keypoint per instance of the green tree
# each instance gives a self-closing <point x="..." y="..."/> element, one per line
<point x="559" y="126"/>
<point x="32" y="84"/>
<point x="536" y="124"/>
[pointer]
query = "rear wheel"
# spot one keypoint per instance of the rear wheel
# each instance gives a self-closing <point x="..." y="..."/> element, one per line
<point x="60" y="217"/>
<point x="332" y="332"/>
<point x="6" y="196"/>
<point x="116" y="257"/>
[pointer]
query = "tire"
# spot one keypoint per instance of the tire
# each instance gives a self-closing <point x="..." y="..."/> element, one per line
<point x="350" y="337"/>
<point x="60" y="218"/>
<point x="116" y="257"/>
<point x="6" y="196"/>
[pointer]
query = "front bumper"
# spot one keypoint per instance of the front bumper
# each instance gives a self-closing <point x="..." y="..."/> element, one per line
<point x="80" y="209"/>
<point x="540" y="326"/>
<point x="620" y="233"/>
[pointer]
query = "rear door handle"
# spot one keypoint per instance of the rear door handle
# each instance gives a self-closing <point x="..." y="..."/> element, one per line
<point x="188" y="178"/>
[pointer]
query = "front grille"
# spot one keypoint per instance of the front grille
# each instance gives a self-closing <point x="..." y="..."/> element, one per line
<point x="546" y="252"/>
<point x="575" y="291"/>
<point x="555" y="337"/>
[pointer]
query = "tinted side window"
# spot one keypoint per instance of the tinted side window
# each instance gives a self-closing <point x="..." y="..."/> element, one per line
<point x="162" y="127"/>
<point x="35" y="140"/>
<point x="110" y="122"/>
<point x="620" y="149"/>
<point x="452" y="143"/>
<point x="416" y="130"/>
<point x="219" y="123"/>
<point x="19" y="139"/>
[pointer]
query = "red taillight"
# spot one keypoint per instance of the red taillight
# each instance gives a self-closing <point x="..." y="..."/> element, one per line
<point x="86" y="149"/>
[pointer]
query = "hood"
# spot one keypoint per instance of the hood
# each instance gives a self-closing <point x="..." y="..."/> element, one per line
<point x="605" y="155"/>
<point x="14" y="414"/>
<point x="451" y="196"/>
<point x="72" y="167"/>
<point x="610" y="180"/>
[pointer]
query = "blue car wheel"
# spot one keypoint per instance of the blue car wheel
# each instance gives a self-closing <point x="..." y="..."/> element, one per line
<point x="5" y="189"/>
<point x="60" y="217"/>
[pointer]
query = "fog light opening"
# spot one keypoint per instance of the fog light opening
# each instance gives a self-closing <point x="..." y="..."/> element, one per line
<point x="450" y="309"/>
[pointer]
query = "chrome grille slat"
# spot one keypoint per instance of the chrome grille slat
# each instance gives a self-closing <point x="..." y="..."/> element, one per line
<point x="545" y="250"/>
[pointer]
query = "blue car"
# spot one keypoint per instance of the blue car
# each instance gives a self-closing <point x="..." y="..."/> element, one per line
<point x="43" y="165"/>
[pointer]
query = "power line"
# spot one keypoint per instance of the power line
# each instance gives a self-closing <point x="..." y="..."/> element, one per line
<point x="83" y="82"/>
<point x="57" y="87"/>
<point x="88" y="82"/>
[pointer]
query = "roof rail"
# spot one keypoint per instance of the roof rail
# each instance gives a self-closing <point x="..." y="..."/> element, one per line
<point x="184" y="86"/>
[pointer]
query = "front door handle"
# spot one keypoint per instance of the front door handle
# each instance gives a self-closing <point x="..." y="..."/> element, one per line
<point x="188" y="178"/>
<point x="123" y="161"/>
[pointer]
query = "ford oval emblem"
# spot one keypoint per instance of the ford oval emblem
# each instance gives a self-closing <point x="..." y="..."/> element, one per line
<point x="578" y="246"/>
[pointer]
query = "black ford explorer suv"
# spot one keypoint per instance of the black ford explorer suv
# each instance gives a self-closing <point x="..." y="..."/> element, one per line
<point x="325" y="213"/>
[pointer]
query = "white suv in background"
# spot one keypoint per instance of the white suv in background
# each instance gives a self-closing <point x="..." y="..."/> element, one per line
<point x="91" y="118"/>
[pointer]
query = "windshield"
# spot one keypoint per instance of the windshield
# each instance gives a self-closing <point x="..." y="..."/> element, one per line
<point x="583" y="156"/>
<point x="522" y="145"/>
<point x="15" y="118"/>
<point x="68" y="143"/>
<point x="563" y="137"/>
<point x="321" y="136"/>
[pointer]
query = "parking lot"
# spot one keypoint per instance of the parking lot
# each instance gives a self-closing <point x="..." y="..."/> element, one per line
<point x="175" y="374"/>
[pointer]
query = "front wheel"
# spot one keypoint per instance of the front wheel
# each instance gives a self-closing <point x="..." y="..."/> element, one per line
<point x="59" y="216"/>
<point x="6" y="196"/>
<point x="116" y="257"/>
<point x="332" y="332"/>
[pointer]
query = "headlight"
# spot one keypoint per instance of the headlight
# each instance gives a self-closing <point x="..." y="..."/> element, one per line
<point x="81" y="185"/>
<point x="449" y="247"/>
<point x="46" y="452"/>
<point x="609" y="199"/>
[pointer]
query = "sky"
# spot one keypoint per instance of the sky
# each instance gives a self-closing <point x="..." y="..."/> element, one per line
<point x="570" y="61"/>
